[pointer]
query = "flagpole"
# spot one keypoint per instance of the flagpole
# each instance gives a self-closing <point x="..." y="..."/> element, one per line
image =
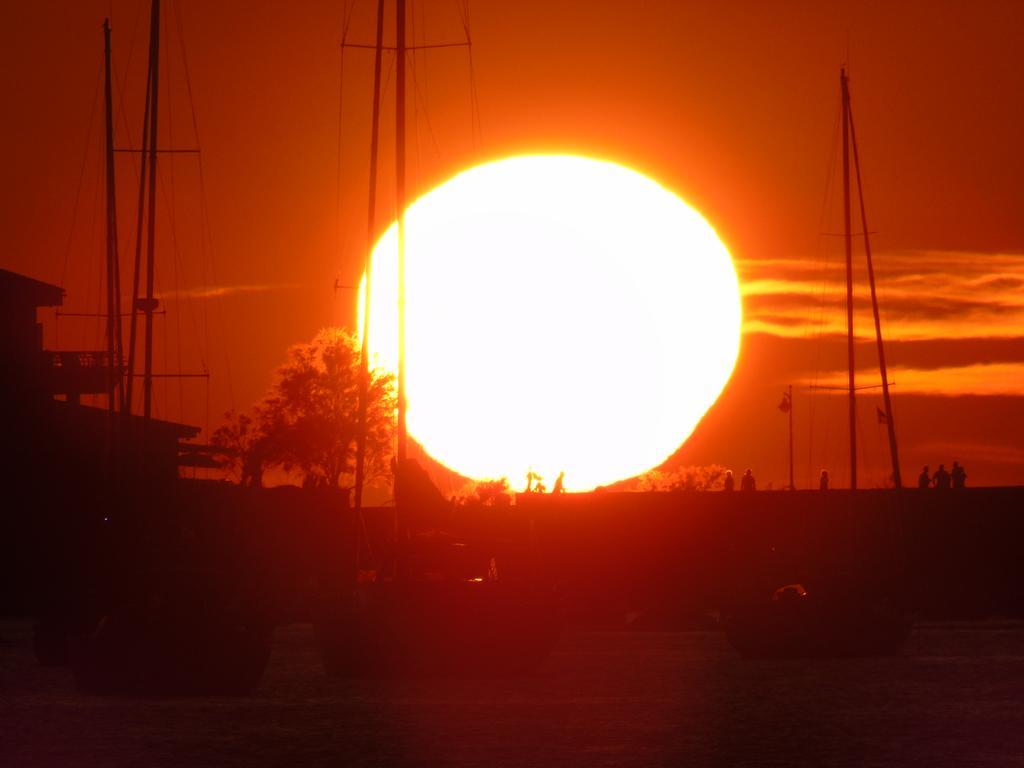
<point x="792" y="486"/>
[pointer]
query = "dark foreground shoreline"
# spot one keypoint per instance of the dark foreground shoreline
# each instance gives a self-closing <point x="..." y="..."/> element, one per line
<point x="955" y="697"/>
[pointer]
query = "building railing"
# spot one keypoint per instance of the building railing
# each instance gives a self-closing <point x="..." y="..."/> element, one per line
<point x="78" y="372"/>
<point x="78" y="359"/>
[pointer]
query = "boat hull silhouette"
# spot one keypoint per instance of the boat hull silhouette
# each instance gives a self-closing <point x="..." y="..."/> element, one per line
<point x="441" y="628"/>
<point x="168" y="654"/>
<point x="796" y="624"/>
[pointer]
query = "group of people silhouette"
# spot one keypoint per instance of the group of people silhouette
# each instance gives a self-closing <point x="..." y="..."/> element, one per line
<point x="943" y="480"/>
<point x="747" y="482"/>
<point x="535" y="483"/>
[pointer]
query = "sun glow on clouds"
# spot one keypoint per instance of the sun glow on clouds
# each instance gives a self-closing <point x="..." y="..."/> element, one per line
<point x="962" y="301"/>
<point x="563" y="314"/>
<point x="977" y="379"/>
<point x="922" y="295"/>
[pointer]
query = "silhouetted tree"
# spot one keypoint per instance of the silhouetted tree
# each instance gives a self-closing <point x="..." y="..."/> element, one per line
<point x="308" y="421"/>
<point x="707" y="478"/>
<point x="244" y="446"/>
<point x="489" y="493"/>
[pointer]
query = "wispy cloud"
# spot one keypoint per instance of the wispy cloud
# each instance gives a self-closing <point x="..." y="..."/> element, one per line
<point x="980" y="366"/>
<point x="922" y="295"/>
<point x="979" y="451"/>
<point x="981" y="379"/>
<point x="218" y="291"/>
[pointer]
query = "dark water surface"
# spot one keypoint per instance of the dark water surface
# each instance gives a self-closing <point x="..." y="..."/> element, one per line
<point x="956" y="697"/>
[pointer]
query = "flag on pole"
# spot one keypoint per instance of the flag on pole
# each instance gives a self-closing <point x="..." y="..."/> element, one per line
<point x="785" y="405"/>
<point x="883" y="417"/>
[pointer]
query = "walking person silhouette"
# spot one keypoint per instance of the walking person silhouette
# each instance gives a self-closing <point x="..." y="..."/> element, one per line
<point x="958" y="476"/>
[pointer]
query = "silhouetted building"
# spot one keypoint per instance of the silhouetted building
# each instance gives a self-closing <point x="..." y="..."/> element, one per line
<point x="30" y="372"/>
<point x="60" y="436"/>
<point x="61" y="462"/>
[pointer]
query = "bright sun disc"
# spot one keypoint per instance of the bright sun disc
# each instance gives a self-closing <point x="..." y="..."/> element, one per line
<point x="562" y="314"/>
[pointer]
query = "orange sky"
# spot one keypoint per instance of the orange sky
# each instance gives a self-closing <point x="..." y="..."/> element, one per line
<point x="734" y="108"/>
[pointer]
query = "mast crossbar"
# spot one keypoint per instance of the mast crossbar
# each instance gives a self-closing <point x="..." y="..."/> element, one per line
<point x="393" y="48"/>
<point x="847" y="389"/>
<point x="172" y="375"/>
<point x="159" y="151"/>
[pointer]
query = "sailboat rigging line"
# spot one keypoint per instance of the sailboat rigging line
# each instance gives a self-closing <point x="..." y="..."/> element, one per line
<point x="93" y="280"/>
<point x="400" y="200"/>
<point x="81" y="178"/>
<point x="346" y="22"/>
<point x="119" y="83"/>
<point x="134" y="39"/>
<point x="414" y="48"/>
<point x="206" y="236"/>
<point x="849" y="280"/>
<point x="96" y="341"/>
<point x="821" y="257"/>
<point x="419" y="100"/>
<point x="475" y="120"/>
<point x="463" y="11"/>
<point x="176" y="273"/>
<point x="162" y="406"/>
<point x="337" y="169"/>
<point x="891" y="428"/>
<point x="122" y="114"/>
<point x="168" y="197"/>
<point x="411" y="59"/>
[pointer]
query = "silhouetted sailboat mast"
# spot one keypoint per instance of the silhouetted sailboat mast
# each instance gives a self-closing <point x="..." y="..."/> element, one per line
<point x="146" y="210"/>
<point x="401" y="50"/>
<point x="115" y="352"/>
<point x="401" y="449"/>
<point x="371" y="208"/>
<point x="850" y="139"/>
<point x="411" y="620"/>
<point x="145" y="224"/>
<point x="400" y="53"/>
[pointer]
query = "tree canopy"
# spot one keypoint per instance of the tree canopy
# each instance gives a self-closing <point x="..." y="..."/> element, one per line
<point x="308" y="421"/>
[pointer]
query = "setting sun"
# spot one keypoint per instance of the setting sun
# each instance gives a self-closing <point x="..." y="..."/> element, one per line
<point x="563" y="314"/>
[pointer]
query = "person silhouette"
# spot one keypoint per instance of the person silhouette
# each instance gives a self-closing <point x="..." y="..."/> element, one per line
<point x="924" y="480"/>
<point x="958" y="476"/>
<point x="941" y="478"/>
<point x="532" y="477"/>
<point x="729" y="483"/>
<point x="823" y="480"/>
<point x="747" y="482"/>
<point x="559" y="483"/>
